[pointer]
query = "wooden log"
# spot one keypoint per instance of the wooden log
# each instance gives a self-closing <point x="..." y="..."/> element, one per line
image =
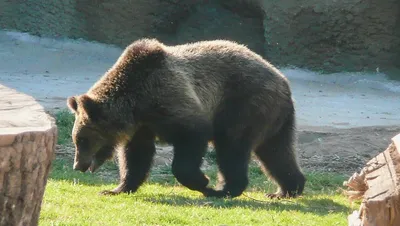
<point x="378" y="184"/>
<point x="27" y="142"/>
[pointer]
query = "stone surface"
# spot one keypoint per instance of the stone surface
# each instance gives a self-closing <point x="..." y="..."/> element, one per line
<point x="333" y="36"/>
<point x="27" y="143"/>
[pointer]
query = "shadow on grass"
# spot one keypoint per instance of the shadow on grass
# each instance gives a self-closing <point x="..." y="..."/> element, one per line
<point x="62" y="170"/>
<point x="314" y="205"/>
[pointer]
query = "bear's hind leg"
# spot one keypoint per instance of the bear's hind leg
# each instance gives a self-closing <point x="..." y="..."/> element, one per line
<point x="233" y="159"/>
<point x="279" y="161"/>
<point x="234" y="129"/>
<point x="188" y="155"/>
<point x="135" y="161"/>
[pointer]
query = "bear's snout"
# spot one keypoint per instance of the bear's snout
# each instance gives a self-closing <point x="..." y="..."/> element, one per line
<point x="83" y="167"/>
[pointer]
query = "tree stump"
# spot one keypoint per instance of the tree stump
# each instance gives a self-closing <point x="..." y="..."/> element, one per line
<point x="379" y="185"/>
<point x="27" y="142"/>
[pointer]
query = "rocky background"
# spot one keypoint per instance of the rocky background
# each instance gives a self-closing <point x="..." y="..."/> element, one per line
<point x="327" y="36"/>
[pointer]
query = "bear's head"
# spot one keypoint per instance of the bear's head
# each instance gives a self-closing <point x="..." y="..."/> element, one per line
<point x="94" y="143"/>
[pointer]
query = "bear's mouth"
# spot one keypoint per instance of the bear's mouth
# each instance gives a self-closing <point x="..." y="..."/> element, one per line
<point x="83" y="167"/>
<point x="100" y="157"/>
<point x="90" y="164"/>
<point x="94" y="165"/>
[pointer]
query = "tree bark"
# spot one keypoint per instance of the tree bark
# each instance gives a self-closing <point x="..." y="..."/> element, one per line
<point x="379" y="186"/>
<point x="27" y="142"/>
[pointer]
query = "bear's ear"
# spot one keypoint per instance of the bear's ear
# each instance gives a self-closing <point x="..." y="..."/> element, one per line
<point x="72" y="104"/>
<point x="90" y="107"/>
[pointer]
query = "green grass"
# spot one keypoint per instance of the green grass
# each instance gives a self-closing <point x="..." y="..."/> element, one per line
<point x="72" y="198"/>
<point x="65" y="122"/>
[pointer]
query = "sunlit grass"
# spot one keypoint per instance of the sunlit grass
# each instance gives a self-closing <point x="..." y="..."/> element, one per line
<point x="72" y="198"/>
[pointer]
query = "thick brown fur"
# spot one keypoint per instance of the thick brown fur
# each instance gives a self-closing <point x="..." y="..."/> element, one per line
<point x="188" y="95"/>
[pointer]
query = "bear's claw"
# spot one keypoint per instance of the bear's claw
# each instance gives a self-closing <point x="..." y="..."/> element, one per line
<point x="281" y="195"/>
<point x="209" y="192"/>
<point x="109" y="192"/>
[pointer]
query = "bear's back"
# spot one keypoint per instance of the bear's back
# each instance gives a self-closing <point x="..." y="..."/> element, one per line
<point x="222" y="60"/>
<point x="213" y="70"/>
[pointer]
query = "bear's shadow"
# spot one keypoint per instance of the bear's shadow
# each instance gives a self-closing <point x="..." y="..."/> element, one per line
<point x="308" y="204"/>
<point x="318" y="206"/>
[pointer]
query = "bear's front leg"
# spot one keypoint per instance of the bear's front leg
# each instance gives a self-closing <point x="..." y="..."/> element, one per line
<point x="135" y="161"/>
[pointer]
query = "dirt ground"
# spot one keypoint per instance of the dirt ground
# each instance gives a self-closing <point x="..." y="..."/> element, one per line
<point x="343" y="150"/>
<point x="343" y="119"/>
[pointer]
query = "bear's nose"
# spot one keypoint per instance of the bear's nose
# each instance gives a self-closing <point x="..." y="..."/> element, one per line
<point x="80" y="167"/>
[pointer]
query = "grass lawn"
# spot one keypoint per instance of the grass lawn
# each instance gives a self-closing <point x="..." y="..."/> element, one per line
<point x="71" y="198"/>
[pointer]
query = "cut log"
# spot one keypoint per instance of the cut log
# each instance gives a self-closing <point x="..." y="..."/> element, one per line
<point x="378" y="184"/>
<point x="27" y="142"/>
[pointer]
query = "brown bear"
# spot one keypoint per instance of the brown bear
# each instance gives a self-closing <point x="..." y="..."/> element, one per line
<point x="188" y="95"/>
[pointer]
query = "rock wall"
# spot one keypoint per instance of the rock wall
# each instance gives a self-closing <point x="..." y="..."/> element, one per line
<point x="340" y="35"/>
